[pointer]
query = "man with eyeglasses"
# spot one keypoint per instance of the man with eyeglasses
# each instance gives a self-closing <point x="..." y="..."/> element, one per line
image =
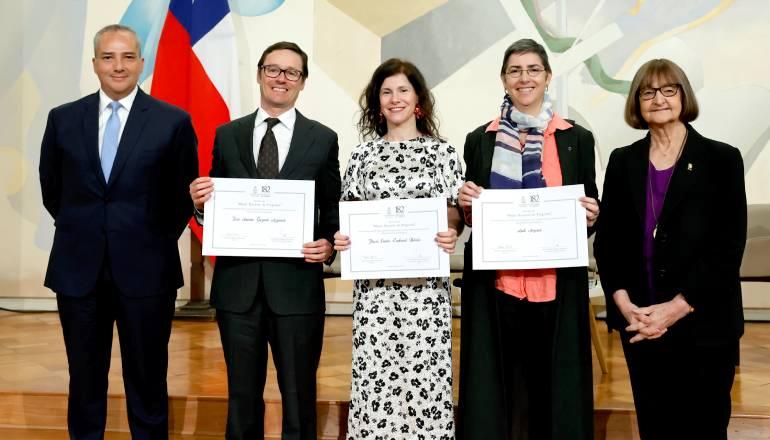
<point x="275" y="301"/>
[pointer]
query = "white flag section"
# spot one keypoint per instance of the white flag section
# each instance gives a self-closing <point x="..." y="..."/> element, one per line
<point x="218" y="54"/>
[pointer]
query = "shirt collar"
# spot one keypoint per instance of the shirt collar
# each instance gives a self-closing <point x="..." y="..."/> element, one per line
<point x="557" y="123"/>
<point x="287" y="118"/>
<point x="126" y="102"/>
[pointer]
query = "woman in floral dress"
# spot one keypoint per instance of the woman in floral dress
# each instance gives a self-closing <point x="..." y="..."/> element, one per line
<point x="401" y="385"/>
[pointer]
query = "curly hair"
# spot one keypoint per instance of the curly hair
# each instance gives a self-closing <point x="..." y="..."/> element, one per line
<point x="371" y="122"/>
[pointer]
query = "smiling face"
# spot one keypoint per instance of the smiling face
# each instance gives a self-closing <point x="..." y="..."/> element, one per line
<point x="526" y="91"/>
<point x="117" y="63"/>
<point x="280" y="94"/>
<point x="660" y="110"/>
<point x="398" y="100"/>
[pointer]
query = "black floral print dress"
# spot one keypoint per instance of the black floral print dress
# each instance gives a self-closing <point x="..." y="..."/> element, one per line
<point x="401" y="386"/>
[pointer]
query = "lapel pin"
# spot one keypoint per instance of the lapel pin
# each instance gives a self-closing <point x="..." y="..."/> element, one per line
<point x="569" y="148"/>
<point x="689" y="166"/>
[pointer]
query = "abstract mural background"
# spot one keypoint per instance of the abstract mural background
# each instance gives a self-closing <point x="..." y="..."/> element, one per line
<point x="595" y="46"/>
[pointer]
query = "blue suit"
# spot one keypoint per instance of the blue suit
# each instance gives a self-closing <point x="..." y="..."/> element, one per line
<point x="115" y="256"/>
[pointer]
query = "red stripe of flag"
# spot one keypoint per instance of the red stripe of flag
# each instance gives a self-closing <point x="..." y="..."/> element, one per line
<point x="180" y="79"/>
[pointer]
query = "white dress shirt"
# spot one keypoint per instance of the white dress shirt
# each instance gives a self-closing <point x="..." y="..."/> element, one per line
<point x="283" y="132"/>
<point x="105" y="112"/>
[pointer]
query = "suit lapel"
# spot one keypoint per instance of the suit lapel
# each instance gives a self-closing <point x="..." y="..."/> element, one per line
<point x="91" y="135"/>
<point x="487" y="150"/>
<point x="637" y="168"/>
<point x="301" y="141"/>
<point x="244" y="140"/>
<point x="137" y="118"/>
<point x="683" y="177"/>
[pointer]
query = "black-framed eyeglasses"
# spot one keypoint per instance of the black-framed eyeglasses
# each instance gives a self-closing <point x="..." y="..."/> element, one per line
<point x="532" y="72"/>
<point x="273" y="71"/>
<point x="667" y="90"/>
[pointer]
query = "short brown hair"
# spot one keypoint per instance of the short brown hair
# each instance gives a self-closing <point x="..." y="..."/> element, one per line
<point x="285" y="45"/>
<point x="664" y="70"/>
<point x="526" y="45"/>
<point x="371" y="122"/>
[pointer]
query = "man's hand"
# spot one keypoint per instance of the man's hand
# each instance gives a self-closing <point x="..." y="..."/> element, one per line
<point x="317" y="251"/>
<point x="200" y="191"/>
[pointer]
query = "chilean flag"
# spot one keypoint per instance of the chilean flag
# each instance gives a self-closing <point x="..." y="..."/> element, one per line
<point x="196" y="69"/>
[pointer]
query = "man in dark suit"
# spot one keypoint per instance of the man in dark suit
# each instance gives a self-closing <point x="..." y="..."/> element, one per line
<point x="114" y="171"/>
<point x="279" y="301"/>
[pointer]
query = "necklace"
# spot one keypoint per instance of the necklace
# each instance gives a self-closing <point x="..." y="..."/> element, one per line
<point x="649" y="184"/>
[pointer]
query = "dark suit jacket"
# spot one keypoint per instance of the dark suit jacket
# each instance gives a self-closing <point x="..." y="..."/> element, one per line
<point x="133" y="221"/>
<point x="481" y="409"/>
<point x="291" y="285"/>
<point x="700" y="238"/>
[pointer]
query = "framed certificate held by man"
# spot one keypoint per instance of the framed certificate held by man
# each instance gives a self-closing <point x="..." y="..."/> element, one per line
<point x="258" y="217"/>
<point x="394" y="238"/>
<point x="529" y="228"/>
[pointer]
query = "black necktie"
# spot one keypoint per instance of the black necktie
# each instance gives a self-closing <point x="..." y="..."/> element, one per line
<point x="267" y="162"/>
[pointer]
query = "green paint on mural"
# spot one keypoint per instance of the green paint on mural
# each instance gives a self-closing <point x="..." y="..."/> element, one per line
<point x="562" y="44"/>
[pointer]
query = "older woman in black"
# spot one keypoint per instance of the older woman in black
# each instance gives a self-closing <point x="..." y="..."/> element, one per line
<point x="669" y="248"/>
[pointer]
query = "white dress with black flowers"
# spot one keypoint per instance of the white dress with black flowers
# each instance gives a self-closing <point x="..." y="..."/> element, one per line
<point x="401" y="386"/>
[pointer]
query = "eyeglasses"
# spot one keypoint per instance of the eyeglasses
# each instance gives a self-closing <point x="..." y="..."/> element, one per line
<point x="273" y="71"/>
<point x="668" y="91"/>
<point x="532" y="72"/>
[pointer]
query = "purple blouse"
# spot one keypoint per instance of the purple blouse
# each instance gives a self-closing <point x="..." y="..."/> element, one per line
<point x="657" y="185"/>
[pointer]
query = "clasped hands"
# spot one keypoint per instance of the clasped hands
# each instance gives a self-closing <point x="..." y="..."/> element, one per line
<point x="653" y="321"/>
<point x="316" y="251"/>
<point x="470" y="191"/>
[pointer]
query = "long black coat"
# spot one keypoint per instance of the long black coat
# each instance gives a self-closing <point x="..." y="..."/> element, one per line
<point x="481" y="413"/>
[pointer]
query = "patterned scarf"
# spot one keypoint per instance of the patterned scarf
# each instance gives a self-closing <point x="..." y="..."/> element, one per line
<point x="514" y="167"/>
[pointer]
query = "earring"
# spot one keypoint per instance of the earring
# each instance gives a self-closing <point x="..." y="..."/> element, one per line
<point x="418" y="112"/>
<point x="382" y="118"/>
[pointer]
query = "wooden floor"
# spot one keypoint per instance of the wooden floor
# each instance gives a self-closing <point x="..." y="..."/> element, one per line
<point x="33" y="381"/>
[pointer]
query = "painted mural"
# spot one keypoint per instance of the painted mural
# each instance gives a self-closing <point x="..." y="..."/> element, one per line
<point x="595" y="47"/>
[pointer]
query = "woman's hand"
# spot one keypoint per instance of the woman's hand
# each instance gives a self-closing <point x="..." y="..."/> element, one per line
<point x="663" y="315"/>
<point x="446" y="240"/>
<point x="200" y="191"/>
<point x="341" y="242"/>
<point x="635" y="325"/>
<point x="592" y="209"/>
<point x="468" y="192"/>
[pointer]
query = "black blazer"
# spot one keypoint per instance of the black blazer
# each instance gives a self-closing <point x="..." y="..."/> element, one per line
<point x="133" y="221"/>
<point x="291" y="285"/>
<point x="700" y="238"/>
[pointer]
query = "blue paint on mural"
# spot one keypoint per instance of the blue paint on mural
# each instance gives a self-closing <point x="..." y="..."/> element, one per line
<point x="253" y="8"/>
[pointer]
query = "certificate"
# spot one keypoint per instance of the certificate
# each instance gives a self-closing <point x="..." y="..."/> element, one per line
<point x="258" y="217"/>
<point x="394" y="238"/>
<point x="529" y="228"/>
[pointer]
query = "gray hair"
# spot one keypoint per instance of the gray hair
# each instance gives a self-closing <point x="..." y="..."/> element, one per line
<point x="116" y="28"/>
<point x="526" y="45"/>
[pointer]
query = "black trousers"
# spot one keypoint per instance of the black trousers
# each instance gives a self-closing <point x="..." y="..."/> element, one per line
<point x="144" y="328"/>
<point x="680" y="390"/>
<point x="295" y="342"/>
<point x="526" y="339"/>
